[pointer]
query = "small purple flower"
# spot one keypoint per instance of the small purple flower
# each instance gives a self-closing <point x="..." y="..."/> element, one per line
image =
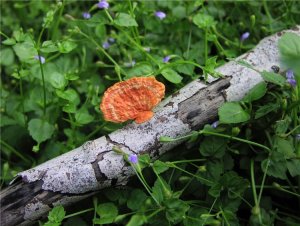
<point x="159" y="14"/>
<point x="215" y="124"/>
<point x="103" y="4"/>
<point x="297" y="136"/>
<point x="111" y="40"/>
<point x="245" y="36"/>
<point x="289" y="74"/>
<point x="133" y="63"/>
<point x="292" y="82"/>
<point x="40" y="58"/>
<point x="86" y="15"/>
<point x="105" y="45"/>
<point x="166" y="59"/>
<point x="133" y="158"/>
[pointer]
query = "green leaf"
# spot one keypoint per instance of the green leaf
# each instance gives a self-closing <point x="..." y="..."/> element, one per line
<point x="277" y="166"/>
<point x="274" y="78"/>
<point x="66" y="46"/>
<point x="161" y="190"/>
<point x="176" y="210"/>
<point x="289" y="49"/>
<point x="25" y="51"/>
<point x="230" y="218"/>
<point x="140" y="69"/>
<point x="265" y="109"/>
<point x="83" y="116"/>
<point x="203" y="21"/>
<point x="171" y="75"/>
<point x="187" y="69"/>
<point x="179" y="12"/>
<point x="125" y="20"/>
<point x="213" y="146"/>
<point x="49" y="47"/>
<point x="107" y="212"/>
<point x="69" y="94"/>
<point x="7" y="56"/>
<point x="284" y="147"/>
<point x="231" y="112"/>
<point x="137" y="220"/>
<point x="9" y="42"/>
<point x="235" y="184"/>
<point x="136" y="199"/>
<point x="293" y="166"/>
<point x="194" y="217"/>
<point x="57" y="80"/>
<point x="160" y="167"/>
<point x="144" y="161"/>
<point x="257" y="92"/>
<point x="282" y="126"/>
<point x="40" y="130"/>
<point x="57" y="214"/>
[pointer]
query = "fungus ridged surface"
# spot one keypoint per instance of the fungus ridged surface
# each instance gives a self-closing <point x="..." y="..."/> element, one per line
<point x="132" y="99"/>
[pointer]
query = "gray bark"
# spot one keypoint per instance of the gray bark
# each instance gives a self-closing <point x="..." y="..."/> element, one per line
<point x="93" y="166"/>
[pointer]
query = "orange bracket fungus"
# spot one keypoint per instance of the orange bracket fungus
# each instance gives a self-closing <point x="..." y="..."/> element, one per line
<point x="132" y="99"/>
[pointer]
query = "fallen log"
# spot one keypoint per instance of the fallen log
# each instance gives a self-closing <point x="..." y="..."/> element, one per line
<point x="85" y="170"/>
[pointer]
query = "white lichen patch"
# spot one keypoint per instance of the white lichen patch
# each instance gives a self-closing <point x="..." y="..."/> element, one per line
<point x="33" y="211"/>
<point x="111" y="165"/>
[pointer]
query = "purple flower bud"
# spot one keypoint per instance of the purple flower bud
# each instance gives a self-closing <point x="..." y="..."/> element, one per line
<point x="159" y="14"/>
<point x="111" y="40"/>
<point x="103" y="4"/>
<point x="133" y="158"/>
<point x="215" y="124"/>
<point x="86" y="15"/>
<point x="166" y="59"/>
<point x="292" y="82"/>
<point x="245" y="36"/>
<point x="105" y="45"/>
<point x="40" y="58"/>
<point x="289" y="74"/>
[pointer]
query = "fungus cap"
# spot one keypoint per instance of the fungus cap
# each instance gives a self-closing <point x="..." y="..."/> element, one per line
<point x="132" y="99"/>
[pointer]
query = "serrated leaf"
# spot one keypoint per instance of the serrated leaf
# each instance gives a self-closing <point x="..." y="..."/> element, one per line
<point x="289" y="49"/>
<point x="9" y="42"/>
<point x="66" y="46"/>
<point x="232" y="113"/>
<point x="273" y="78"/>
<point x="213" y="146"/>
<point x="257" y="92"/>
<point x="139" y="69"/>
<point x="125" y="20"/>
<point x="293" y="166"/>
<point x="136" y="199"/>
<point x="70" y="94"/>
<point x="137" y="220"/>
<point x="107" y="212"/>
<point x="160" y="167"/>
<point x="57" y="214"/>
<point x="40" y="130"/>
<point x="176" y="210"/>
<point x="25" y="51"/>
<point x="49" y="47"/>
<point x="83" y="116"/>
<point x="171" y="75"/>
<point x="203" y="20"/>
<point x="265" y="109"/>
<point x="57" y="80"/>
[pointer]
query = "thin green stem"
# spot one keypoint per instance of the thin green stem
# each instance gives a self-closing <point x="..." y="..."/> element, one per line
<point x="254" y="190"/>
<point x="22" y="99"/>
<point x="78" y="213"/>
<point x="43" y="83"/>
<point x="205" y="46"/>
<point x="57" y="21"/>
<point x="263" y="181"/>
<point x="13" y="150"/>
<point x="270" y="19"/>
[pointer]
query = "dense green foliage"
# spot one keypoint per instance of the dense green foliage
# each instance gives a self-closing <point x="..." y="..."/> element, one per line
<point x="56" y="64"/>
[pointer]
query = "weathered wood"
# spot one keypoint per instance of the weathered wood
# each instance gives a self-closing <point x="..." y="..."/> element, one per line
<point x="94" y="166"/>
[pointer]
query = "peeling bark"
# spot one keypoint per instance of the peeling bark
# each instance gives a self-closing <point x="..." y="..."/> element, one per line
<point x="93" y="166"/>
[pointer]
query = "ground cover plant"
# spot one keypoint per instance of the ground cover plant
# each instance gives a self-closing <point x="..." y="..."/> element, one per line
<point x="58" y="58"/>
